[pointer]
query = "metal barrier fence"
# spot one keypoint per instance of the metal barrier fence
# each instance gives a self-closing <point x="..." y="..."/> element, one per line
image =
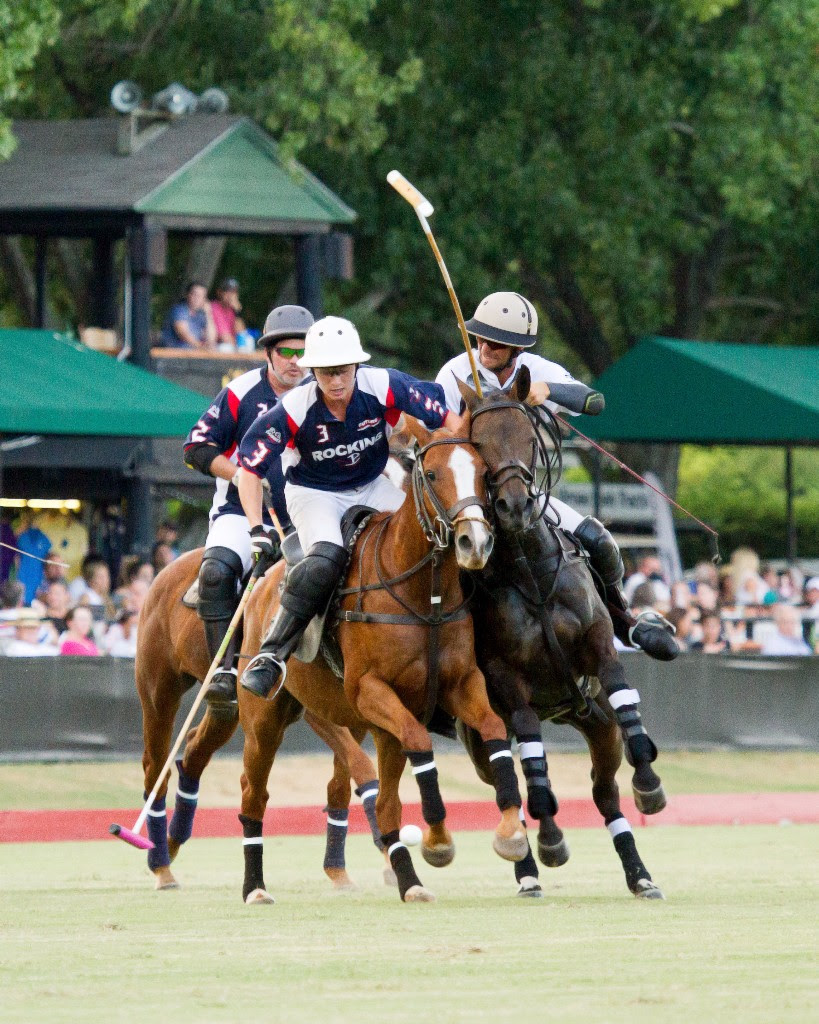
<point x="87" y="708"/>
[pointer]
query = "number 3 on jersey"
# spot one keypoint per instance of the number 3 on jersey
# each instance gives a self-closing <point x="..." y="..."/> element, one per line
<point x="258" y="455"/>
<point x="323" y="435"/>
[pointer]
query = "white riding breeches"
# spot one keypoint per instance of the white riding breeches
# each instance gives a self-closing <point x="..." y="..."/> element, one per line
<point x="569" y="519"/>
<point x="317" y="514"/>
<point x="231" y="531"/>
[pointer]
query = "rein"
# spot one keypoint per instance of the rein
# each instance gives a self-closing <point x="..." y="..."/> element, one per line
<point x="438" y="531"/>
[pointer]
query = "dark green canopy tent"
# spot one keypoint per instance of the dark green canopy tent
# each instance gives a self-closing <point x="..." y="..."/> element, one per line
<point x="697" y="392"/>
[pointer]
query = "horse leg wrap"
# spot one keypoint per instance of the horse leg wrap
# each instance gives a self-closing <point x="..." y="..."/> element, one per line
<point x="504" y="779"/>
<point x="187" y="796"/>
<point x="541" y="799"/>
<point x="252" y="846"/>
<point x="367" y="793"/>
<point x="639" y="746"/>
<point x="526" y="868"/>
<point x="336" y="836"/>
<point x="159" y="857"/>
<point x="401" y="862"/>
<point x="621" y="834"/>
<point x="426" y="775"/>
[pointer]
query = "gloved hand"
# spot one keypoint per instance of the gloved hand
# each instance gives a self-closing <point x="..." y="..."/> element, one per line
<point x="264" y="547"/>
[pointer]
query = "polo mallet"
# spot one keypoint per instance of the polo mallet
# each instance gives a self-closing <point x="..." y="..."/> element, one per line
<point x="423" y="209"/>
<point x="132" y="835"/>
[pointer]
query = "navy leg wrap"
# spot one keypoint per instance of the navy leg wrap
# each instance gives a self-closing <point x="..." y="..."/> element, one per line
<point x="526" y="868"/>
<point x="252" y="846"/>
<point x="367" y="793"/>
<point x="639" y="746"/>
<point x="158" y="834"/>
<point x="426" y="775"/>
<point x="336" y="836"/>
<point x="187" y="795"/>
<point x="504" y="779"/>
<point x="626" y="849"/>
<point x="541" y="800"/>
<point x="401" y="862"/>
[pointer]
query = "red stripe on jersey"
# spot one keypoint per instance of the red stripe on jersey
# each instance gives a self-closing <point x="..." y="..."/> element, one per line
<point x="233" y="404"/>
<point x="230" y="451"/>
<point x="390" y="403"/>
<point x="293" y="427"/>
<point x="392" y="416"/>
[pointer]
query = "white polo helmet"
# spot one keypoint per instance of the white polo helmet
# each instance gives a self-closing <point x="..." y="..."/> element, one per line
<point x="507" y="318"/>
<point x="332" y="341"/>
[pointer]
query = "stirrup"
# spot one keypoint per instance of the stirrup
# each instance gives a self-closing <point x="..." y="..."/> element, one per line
<point x="221" y="692"/>
<point x="257" y="676"/>
<point x="650" y="617"/>
<point x="654" y="634"/>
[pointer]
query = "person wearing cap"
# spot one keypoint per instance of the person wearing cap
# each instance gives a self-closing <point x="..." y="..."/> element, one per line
<point x="505" y="327"/>
<point x="189" y="324"/>
<point x="211" y="448"/>
<point x="225" y="309"/>
<point x="332" y="437"/>
<point x="30" y="639"/>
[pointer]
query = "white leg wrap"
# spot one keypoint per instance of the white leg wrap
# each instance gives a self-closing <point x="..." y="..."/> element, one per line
<point x="253" y="841"/>
<point x="533" y="749"/>
<point x="617" y="827"/>
<point x="620" y="698"/>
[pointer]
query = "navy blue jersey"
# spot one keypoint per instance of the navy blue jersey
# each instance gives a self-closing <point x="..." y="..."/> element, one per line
<point x="315" y="449"/>
<point x="224" y="425"/>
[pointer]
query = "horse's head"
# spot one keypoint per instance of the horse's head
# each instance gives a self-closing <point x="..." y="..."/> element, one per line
<point x="502" y="430"/>
<point x="449" y="490"/>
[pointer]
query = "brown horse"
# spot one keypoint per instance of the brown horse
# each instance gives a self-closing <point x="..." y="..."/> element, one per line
<point x="542" y="630"/>
<point x="171" y="657"/>
<point x="407" y="643"/>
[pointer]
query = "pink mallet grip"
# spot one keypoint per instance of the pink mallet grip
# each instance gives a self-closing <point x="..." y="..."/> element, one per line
<point x="134" y="838"/>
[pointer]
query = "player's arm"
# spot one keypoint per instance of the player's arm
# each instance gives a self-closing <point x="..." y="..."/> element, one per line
<point x="251" y="495"/>
<point x="259" y="453"/>
<point x="552" y="382"/>
<point x="212" y="436"/>
<point x="420" y="398"/>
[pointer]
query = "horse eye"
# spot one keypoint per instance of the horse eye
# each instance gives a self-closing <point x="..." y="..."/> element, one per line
<point x="430" y="474"/>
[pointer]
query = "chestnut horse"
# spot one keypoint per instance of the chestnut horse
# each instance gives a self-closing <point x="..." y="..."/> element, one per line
<point x="542" y="632"/>
<point x="407" y="643"/>
<point x="171" y="656"/>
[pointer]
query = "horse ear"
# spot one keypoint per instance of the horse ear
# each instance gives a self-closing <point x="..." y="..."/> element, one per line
<point x="418" y="430"/>
<point x="469" y="396"/>
<point x="523" y="384"/>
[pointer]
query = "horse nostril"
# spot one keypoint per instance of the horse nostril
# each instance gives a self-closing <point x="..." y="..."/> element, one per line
<point x="464" y="543"/>
<point x="502" y="506"/>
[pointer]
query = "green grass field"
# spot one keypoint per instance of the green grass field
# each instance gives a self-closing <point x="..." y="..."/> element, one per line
<point x="85" y="937"/>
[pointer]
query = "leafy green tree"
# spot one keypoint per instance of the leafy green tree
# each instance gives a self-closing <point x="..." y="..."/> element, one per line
<point x="26" y="26"/>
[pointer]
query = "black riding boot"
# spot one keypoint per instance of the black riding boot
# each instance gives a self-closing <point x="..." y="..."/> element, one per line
<point x="219" y="576"/>
<point x="650" y="631"/>
<point x="307" y="591"/>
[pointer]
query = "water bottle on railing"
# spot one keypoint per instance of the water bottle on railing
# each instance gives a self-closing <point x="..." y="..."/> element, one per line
<point x="246" y="340"/>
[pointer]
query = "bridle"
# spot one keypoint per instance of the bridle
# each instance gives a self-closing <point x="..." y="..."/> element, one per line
<point x="439" y="529"/>
<point x="541" y="421"/>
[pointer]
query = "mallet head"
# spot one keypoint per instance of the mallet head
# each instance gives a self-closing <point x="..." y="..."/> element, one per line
<point x="422" y="206"/>
<point x="134" y="838"/>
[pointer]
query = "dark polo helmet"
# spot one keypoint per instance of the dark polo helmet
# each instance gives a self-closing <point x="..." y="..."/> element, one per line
<point x="507" y="318"/>
<point x="285" y="322"/>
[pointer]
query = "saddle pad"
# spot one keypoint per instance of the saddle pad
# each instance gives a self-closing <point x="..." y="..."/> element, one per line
<point x="190" y="598"/>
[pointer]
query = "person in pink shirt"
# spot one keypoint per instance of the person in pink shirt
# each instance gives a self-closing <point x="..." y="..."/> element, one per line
<point x="77" y="639"/>
<point x="225" y="309"/>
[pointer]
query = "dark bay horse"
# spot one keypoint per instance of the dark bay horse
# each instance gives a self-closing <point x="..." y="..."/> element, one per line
<point x="171" y="657"/>
<point x="407" y="643"/>
<point x="545" y="643"/>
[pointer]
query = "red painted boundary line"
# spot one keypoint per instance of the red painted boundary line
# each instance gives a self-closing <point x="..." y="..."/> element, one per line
<point x="220" y="822"/>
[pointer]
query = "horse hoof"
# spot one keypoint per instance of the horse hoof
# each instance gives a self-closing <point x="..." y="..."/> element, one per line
<point x="439" y="855"/>
<point x="553" y="856"/>
<point x="173" y="848"/>
<point x="258" y="897"/>
<point x="514" y="848"/>
<point x="647" y="890"/>
<point x="390" y="877"/>
<point x="530" y="888"/>
<point x="651" y="802"/>
<point x="340" y="879"/>
<point x="164" y="879"/>
<point x="418" y="894"/>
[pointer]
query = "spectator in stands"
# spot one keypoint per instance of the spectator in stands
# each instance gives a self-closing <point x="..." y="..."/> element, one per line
<point x="121" y="639"/>
<point x="811" y="613"/>
<point x="788" y="639"/>
<point x="771" y="579"/>
<point x="77" y="637"/>
<point x="681" y="595"/>
<point x="189" y="324"/>
<point x="53" y="572"/>
<point x="161" y="556"/>
<point x="8" y="537"/>
<point x="57" y="604"/>
<point x="682" y="620"/>
<point x="727" y="591"/>
<point x="12" y="594"/>
<point x="168" y="533"/>
<point x="713" y="640"/>
<point x="225" y="309"/>
<point x="93" y="588"/>
<point x="649" y="570"/>
<point x="706" y="597"/>
<point x="30" y="639"/>
<point x="135" y="595"/>
<point x="36" y="545"/>
<point x="134" y="569"/>
<point x="706" y="572"/>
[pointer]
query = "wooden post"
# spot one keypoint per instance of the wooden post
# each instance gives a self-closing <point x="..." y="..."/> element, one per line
<point x="41" y="280"/>
<point x="308" y="273"/>
<point x="790" y="528"/>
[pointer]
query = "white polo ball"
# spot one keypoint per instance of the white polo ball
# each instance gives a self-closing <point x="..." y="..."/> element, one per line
<point x="410" y="835"/>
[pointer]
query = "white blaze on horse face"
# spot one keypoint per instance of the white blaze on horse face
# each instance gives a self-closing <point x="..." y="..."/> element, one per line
<point x="395" y="473"/>
<point x="473" y="540"/>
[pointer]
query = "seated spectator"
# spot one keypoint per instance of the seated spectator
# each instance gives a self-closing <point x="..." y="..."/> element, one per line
<point x="53" y="572"/>
<point x="705" y="597"/>
<point x="726" y="588"/>
<point x="93" y="588"/>
<point x="682" y="620"/>
<point x="811" y="613"/>
<point x="713" y="641"/>
<point x="706" y="572"/>
<point x="30" y="639"/>
<point x="644" y="597"/>
<point x="681" y="595"/>
<point x="77" y="637"/>
<point x="771" y="579"/>
<point x="168" y="533"/>
<point x="189" y="324"/>
<point x="161" y="556"/>
<point x="788" y="639"/>
<point x="649" y="570"/>
<point x="135" y="595"/>
<point x="134" y="570"/>
<point x="225" y="309"/>
<point x="121" y="639"/>
<point x="57" y="604"/>
<point x="12" y="594"/>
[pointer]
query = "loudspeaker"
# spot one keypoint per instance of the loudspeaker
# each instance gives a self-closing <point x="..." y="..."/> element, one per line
<point x="126" y="96"/>
<point x="214" y="101"/>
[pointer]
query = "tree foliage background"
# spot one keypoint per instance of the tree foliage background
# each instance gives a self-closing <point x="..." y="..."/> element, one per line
<point x="636" y="168"/>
